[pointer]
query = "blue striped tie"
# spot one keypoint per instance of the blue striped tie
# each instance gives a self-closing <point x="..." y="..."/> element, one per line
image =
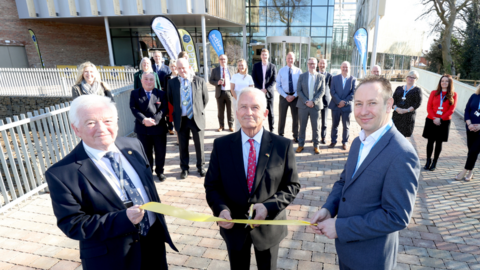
<point x="189" y="100"/>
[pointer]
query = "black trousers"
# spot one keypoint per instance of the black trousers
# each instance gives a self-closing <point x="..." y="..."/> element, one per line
<point x="324" y="113"/>
<point x="157" y="143"/>
<point x="153" y="248"/>
<point x="271" y="119"/>
<point x="225" y="100"/>
<point x="473" y="143"/>
<point x="187" y="126"/>
<point x="240" y="259"/>
<point x="283" y="106"/>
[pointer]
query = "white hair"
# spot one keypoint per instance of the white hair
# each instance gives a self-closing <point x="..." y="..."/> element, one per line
<point x="149" y="67"/>
<point x="89" y="101"/>
<point x="345" y="62"/>
<point x="413" y="73"/>
<point x="258" y="93"/>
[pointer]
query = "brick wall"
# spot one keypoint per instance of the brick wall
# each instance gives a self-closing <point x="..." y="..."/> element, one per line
<point x="10" y="106"/>
<point x="60" y="43"/>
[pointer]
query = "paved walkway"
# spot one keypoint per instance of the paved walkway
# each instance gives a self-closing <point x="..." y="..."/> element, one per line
<point x="444" y="231"/>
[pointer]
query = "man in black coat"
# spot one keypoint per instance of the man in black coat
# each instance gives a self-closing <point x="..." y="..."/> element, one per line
<point x="91" y="203"/>
<point x="252" y="166"/>
<point x="322" y="65"/>
<point x="150" y="107"/>
<point x="264" y="76"/>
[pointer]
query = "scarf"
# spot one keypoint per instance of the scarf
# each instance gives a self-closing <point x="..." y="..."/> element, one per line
<point x="88" y="89"/>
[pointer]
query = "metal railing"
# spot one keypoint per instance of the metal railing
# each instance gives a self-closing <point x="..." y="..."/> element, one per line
<point x="54" y="82"/>
<point x="30" y="145"/>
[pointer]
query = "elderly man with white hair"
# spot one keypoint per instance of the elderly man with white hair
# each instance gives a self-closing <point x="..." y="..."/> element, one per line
<point x="376" y="70"/>
<point x="252" y="167"/>
<point x="97" y="191"/>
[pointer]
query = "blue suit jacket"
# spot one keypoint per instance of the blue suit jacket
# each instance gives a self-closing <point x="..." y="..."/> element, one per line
<point x="162" y="73"/>
<point x="339" y="93"/>
<point x="377" y="202"/>
<point x="156" y="108"/>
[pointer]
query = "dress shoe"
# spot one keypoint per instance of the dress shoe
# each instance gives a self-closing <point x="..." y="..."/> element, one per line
<point x="316" y="150"/>
<point x="323" y="141"/>
<point x="345" y="147"/>
<point x="230" y="129"/>
<point x="219" y="129"/>
<point x="469" y="176"/>
<point x="427" y="165"/>
<point x="433" y="166"/>
<point x="171" y="132"/>
<point x="184" y="174"/>
<point x="202" y="172"/>
<point x="295" y="140"/>
<point x="161" y="177"/>
<point x="299" y="149"/>
<point x="332" y="145"/>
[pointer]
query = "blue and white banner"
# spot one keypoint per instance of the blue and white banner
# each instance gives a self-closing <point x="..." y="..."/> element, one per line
<point x="361" y="41"/>
<point x="168" y="35"/>
<point x="215" y="38"/>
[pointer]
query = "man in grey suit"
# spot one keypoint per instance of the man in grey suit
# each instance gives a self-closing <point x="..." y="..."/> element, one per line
<point x="322" y="66"/>
<point x="310" y="90"/>
<point x="189" y="97"/>
<point x="375" y="195"/>
<point x="221" y="77"/>
<point x="342" y="89"/>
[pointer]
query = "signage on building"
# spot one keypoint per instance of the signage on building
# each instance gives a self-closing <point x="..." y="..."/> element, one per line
<point x="189" y="46"/>
<point x="35" y="41"/>
<point x="216" y="40"/>
<point x="168" y="35"/>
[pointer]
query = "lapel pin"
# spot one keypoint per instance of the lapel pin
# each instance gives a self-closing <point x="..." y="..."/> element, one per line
<point x="129" y="152"/>
<point x="268" y="155"/>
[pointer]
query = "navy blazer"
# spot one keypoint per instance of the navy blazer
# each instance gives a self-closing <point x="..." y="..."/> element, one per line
<point x="340" y="93"/>
<point x="88" y="209"/>
<point x="156" y="107"/>
<point x="328" y="83"/>
<point x="377" y="202"/>
<point x="162" y="72"/>
<point x="270" y="78"/>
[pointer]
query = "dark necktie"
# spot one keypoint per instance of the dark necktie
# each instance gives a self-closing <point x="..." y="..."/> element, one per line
<point x="290" y="82"/>
<point x="131" y="192"/>
<point x="252" y="165"/>
<point x="148" y="95"/>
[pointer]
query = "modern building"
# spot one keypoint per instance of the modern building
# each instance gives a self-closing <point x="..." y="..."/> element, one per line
<point x="118" y="32"/>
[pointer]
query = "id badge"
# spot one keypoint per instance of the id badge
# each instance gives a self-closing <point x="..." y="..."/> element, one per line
<point x="440" y="108"/>
<point x="439" y="112"/>
<point x="477" y="114"/>
<point x="404" y="98"/>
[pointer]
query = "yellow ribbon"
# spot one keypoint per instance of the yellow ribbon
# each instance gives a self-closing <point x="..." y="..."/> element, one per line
<point x="173" y="211"/>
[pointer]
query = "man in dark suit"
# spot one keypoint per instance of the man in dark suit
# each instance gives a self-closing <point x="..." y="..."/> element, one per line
<point x="94" y="187"/>
<point x="150" y="107"/>
<point x="252" y="166"/>
<point x="375" y="195"/>
<point x="221" y="77"/>
<point x="159" y="68"/>
<point x="322" y="65"/>
<point x="189" y="97"/>
<point x="264" y="78"/>
<point x="310" y="91"/>
<point x="342" y="90"/>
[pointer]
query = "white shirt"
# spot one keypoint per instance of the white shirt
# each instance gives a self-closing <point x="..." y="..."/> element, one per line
<point x="311" y="77"/>
<point x="227" y="78"/>
<point x="344" y="81"/>
<point x="369" y="142"/>
<point x="111" y="176"/>
<point x="241" y="81"/>
<point x="246" y="147"/>
<point x="182" y="94"/>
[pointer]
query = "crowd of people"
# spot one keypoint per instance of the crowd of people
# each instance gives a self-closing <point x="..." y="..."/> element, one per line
<point x="97" y="189"/>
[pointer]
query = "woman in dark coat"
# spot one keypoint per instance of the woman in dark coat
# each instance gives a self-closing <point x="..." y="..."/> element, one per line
<point x="174" y="74"/>
<point x="145" y="66"/>
<point x="89" y="82"/>
<point x="406" y="100"/>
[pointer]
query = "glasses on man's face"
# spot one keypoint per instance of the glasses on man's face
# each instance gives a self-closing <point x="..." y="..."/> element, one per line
<point x="311" y="63"/>
<point x="410" y="77"/>
<point x="223" y="59"/>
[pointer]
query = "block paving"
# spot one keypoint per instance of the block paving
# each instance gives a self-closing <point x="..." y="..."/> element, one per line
<point x="444" y="232"/>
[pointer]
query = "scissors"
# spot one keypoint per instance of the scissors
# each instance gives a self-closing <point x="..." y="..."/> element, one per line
<point x="250" y="214"/>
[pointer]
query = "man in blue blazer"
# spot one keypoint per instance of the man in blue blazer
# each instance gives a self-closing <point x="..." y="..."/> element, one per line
<point x="341" y="90"/>
<point x="161" y="69"/>
<point x="375" y="195"/>
<point x="93" y="206"/>
<point x="264" y="76"/>
<point x="150" y="108"/>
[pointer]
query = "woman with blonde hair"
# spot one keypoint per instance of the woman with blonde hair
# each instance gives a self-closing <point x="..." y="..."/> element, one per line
<point x="145" y="66"/>
<point x="89" y="82"/>
<point x="472" y="121"/>
<point x="406" y="100"/>
<point x="172" y="75"/>
<point x="240" y="80"/>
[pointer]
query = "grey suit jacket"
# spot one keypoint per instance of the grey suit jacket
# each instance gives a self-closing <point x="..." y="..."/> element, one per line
<point x="377" y="202"/>
<point x="340" y="93"/>
<point x="216" y="76"/>
<point x="318" y="91"/>
<point x="200" y="100"/>
<point x="328" y="82"/>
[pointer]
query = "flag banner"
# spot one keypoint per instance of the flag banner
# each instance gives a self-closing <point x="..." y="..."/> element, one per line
<point x="168" y="35"/>
<point x="173" y="211"/>
<point x="361" y="41"/>
<point x="189" y="46"/>
<point x="215" y="38"/>
<point x="35" y="41"/>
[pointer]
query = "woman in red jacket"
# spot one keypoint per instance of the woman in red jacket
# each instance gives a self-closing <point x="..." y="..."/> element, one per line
<point x="440" y="107"/>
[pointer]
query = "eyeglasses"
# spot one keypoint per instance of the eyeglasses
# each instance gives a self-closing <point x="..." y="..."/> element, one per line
<point x="223" y="59"/>
<point x="413" y="78"/>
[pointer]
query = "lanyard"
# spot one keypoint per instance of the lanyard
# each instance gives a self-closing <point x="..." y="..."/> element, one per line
<point x="387" y="128"/>
<point x="405" y="91"/>
<point x="478" y="107"/>
<point x="442" y="98"/>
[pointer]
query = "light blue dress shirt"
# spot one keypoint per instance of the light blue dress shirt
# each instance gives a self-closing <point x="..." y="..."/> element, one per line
<point x="182" y="94"/>
<point x="282" y="80"/>
<point x="246" y="147"/>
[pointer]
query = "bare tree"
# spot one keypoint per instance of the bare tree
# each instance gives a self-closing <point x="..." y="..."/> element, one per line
<point x="446" y="12"/>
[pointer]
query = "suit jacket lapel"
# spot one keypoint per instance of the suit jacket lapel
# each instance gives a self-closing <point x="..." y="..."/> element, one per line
<point x="377" y="149"/>
<point x="265" y="148"/>
<point x="95" y="177"/>
<point x="194" y="87"/>
<point x="237" y="154"/>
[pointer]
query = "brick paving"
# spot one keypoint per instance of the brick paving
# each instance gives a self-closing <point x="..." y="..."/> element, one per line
<point x="444" y="232"/>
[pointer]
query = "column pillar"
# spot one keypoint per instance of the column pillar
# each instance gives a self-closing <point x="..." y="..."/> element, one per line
<point x="109" y="42"/>
<point x="204" y="43"/>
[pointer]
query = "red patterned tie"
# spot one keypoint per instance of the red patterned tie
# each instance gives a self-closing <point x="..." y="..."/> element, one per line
<point x="223" y="77"/>
<point x="252" y="165"/>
